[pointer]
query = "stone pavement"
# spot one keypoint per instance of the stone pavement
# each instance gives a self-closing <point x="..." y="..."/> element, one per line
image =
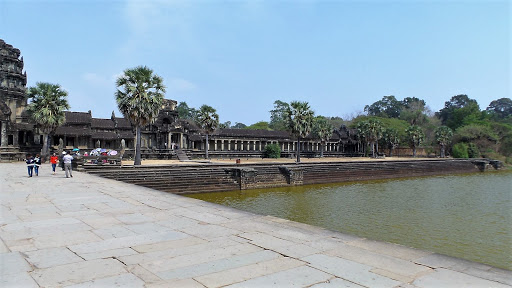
<point x="88" y="231"/>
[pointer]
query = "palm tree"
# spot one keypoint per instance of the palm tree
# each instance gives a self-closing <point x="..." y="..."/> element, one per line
<point x="443" y="137"/>
<point x="322" y="129"/>
<point x="140" y="99"/>
<point x="362" y="134"/>
<point x="392" y="139"/>
<point x="370" y="131"/>
<point x="299" y="117"/>
<point x="415" y="136"/>
<point x="47" y="109"/>
<point x="208" y="119"/>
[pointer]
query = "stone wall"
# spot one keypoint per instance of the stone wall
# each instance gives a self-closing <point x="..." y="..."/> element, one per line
<point x="214" y="178"/>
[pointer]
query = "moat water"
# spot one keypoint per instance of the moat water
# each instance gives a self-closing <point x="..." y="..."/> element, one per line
<point x="467" y="216"/>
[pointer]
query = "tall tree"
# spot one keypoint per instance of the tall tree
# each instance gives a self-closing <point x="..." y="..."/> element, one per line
<point x="362" y="134"/>
<point x="443" y="137"/>
<point x="208" y="120"/>
<point x="47" y="109"/>
<point x="413" y="111"/>
<point x="261" y="125"/>
<point x="185" y="112"/>
<point x="336" y="122"/>
<point x="415" y="137"/>
<point x="459" y="111"/>
<point x="139" y="99"/>
<point x="501" y="108"/>
<point x="278" y="116"/>
<point x="300" y="121"/>
<point x="225" y="125"/>
<point x="388" y="107"/>
<point x="239" y="126"/>
<point x="391" y="138"/>
<point x="373" y="134"/>
<point x="323" y="130"/>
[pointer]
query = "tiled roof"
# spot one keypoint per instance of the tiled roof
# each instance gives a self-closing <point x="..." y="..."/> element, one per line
<point x="78" y="117"/>
<point x="123" y="123"/>
<point x="24" y="126"/>
<point x="73" y="131"/>
<point x="104" y="135"/>
<point x="102" y="123"/>
<point x="126" y="135"/>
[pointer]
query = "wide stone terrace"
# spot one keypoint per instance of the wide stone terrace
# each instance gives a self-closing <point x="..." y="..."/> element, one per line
<point x="88" y="231"/>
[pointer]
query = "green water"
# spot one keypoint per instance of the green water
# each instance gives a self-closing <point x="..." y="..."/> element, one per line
<point x="466" y="216"/>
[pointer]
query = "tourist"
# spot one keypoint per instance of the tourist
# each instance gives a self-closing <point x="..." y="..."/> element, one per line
<point x="67" y="164"/>
<point x="53" y="160"/>
<point x="37" y="163"/>
<point x="61" y="162"/>
<point x="30" y="164"/>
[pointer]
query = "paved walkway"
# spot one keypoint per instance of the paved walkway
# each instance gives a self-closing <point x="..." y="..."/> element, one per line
<point x="88" y="231"/>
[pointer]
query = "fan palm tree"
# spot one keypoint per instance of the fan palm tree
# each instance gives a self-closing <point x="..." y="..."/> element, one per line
<point x="415" y="136"/>
<point x="299" y="117"/>
<point x="370" y="131"/>
<point x="392" y="139"/>
<point x="47" y="109"/>
<point x="139" y="99"/>
<point x="443" y="137"/>
<point x="208" y="119"/>
<point x="322" y="129"/>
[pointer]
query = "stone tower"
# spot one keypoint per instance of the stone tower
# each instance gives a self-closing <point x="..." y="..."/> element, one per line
<point x="15" y="131"/>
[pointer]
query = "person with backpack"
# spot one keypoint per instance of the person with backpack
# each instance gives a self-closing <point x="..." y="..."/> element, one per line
<point x="30" y="164"/>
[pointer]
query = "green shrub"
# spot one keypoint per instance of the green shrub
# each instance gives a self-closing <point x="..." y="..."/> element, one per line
<point x="272" y="151"/>
<point x="473" y="151"/>
<point x="460" y="150"/>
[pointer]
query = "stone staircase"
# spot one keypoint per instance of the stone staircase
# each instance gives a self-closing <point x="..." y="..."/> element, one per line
<point x="215" y="178"/>
<point x="182" y="156"/>
<point x="177" y="180"/>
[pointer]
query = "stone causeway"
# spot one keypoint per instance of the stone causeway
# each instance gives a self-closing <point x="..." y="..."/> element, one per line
<point x="89" y="231"/>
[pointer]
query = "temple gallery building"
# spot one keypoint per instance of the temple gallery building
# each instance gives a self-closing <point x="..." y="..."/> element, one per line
<point x="19" y="135"/>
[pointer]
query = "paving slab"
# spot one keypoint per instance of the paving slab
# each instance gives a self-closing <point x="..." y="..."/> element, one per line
<point x="302" y="276"/>
<point x="88" y="231"/>
<point x="78" y="272"/>
<point x="240" y="274"/>
<point x="349" y="270"/>
<point x="447" y="278"/>
<point x="45" y="258"/>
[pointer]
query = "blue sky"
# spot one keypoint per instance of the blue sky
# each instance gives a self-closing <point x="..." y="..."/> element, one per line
<point x="241" y="56"/>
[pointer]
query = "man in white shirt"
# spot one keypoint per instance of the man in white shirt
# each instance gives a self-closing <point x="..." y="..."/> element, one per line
<point x="67" y="164"/>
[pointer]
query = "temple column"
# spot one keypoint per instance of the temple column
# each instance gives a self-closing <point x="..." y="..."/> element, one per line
<point x="3" y="131"/>
<point x="236" y="145"/>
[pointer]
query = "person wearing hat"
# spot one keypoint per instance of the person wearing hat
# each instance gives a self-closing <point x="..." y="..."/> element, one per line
<point x="67" y="164"/>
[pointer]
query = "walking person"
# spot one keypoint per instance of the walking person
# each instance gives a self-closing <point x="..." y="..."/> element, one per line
<point x="67" y="164"/>
<point x="30" y="164"/>
<point x="37" y="163"/>
<point x="53" y="160"/>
